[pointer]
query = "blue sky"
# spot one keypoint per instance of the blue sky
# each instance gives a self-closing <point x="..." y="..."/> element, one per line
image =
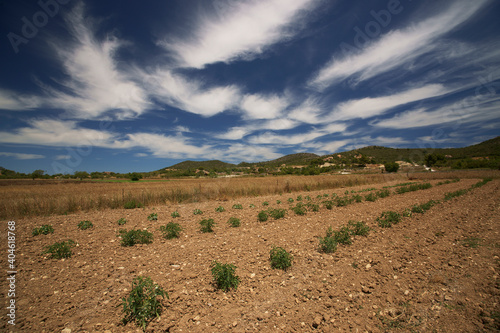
<point x="137" y="86"/>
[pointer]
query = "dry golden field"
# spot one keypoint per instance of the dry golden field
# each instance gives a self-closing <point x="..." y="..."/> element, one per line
<point x="53" y="197"/>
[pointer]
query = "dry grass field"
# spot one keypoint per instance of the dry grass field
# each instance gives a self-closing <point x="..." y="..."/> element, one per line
<point x="48" y="197"/>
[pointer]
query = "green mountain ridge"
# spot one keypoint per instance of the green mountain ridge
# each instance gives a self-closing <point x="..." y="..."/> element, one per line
<point x="380" y="154"/>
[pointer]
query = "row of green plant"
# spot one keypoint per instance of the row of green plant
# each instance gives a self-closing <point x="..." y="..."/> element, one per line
<point x="143" y="303"/>
<point x="328" y="244"/>
<point x="413" y="187"/>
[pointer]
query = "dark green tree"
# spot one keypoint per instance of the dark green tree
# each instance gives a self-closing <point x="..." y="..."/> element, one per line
<point x="391" y="167"/>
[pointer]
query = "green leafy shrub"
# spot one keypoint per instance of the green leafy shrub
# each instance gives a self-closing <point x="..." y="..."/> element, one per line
<point x="60" y="250"/>
<point x="175" y="214"/>
<point x="391" y="167"/>
<point x="425" y="186"/>
<point x="482" y="183"/>
<point x="171" y="230"/>
<point x="299" y="198"/>
<point x="407" y="213"/>
<point x="343" y="236"/>
<point x="388" y="218"/>
<point x="251" y="206"/>
<point x="278" y="202"/>
<point x="383" y="193"/>
<point x="328" y="244"/>
<point x="265" y="203"/>
<point x="277" y="213"/>
<point x="197" y="212"/>
<point x="207" y="225"/>
<point x="357" y="198"/>
<point x="328" y="204"/>
<point x="451" y="195"/>
<point x="262" y="216"/>
<point x="122" y="221"/>
<point x="43" y="230"/>
<point x="224" y="276"/>
<point x="153" y="217"/>
<point x="84" y="225"/>
<point x="370" y="197"/>
<point x="299" y="209"/>
<point x="142" y="304"/>
<point x="132" y="237"/>
<point x="234" y="222"/>
<point x="358" y="228"/>
<point x="428" y="205"/>
<point x="280" y="259"/>
<point x="290" y="200"/>
<point x="342" y="201"/>
<point x="220" y="209"/>
<point x="237" y="206"/>
<point x="313" y="207"/>
<point x="401" y="190"/>
<point x="132" y="204"/>
<point x="417" y="209"/>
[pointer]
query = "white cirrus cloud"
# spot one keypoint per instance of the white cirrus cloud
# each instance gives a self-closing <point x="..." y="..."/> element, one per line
<point x="22" y="156"/>
<point x="189" y="95"/>
<point x="397" y="47"/>
<point x="59" y="133"/>
<point x="263" y="107"/>
<point x="95" y="84"/>
<point x="12" y="101"/>
<point x="468" y="110"/>
<point x="373" y="106"/>
<point x="244" y="30"/>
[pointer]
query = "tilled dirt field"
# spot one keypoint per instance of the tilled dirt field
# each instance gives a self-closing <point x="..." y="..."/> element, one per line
<point x="419" y="275"/>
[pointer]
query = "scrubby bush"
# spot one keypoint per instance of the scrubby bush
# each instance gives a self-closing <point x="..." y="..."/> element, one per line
<point x="224" y="276"/>
<point x="132" y="204"/>
<point x="142" y="304"/>
<point x="237" y="206"/>
<point x="60" y="250"/>
<point x="132" y="237"/>
<point x="388" y="218"/>
<point x="343" y="236"/>
<point x="262" y="216"/>
<point x="383" y="193"/>
<point x="280" y="259"/>
<point x="153" y="217"/>
<point x="358" y="228"/>
<point x="391" y="167"/>
<point x="277" y="213"/>
<point x="328" y="244"/>
<point x="175" y="214"/>
<point x="43" y="230"/>
<point x="171" y="230"/>
<point x="299" y="209"/>
<point x="328" y="204"/>
<point x="197" y="212"/>
<point x="220" y="209"/>
<point x="234" y="222"/>
<point x="207" y="225"/>
<point x="84" y="225"/>
<point x="122" y="221"/>
<point x="370" y="197"/>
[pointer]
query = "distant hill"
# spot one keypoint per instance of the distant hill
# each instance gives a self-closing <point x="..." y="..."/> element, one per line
<point x="486" y="148"/>
<point x="207" y="165"/>
<point x="292" y="159"/>
<point x="380" y="154"/>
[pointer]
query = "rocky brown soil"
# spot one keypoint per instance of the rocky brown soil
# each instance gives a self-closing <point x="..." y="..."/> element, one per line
<point x="421" y="275"/>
